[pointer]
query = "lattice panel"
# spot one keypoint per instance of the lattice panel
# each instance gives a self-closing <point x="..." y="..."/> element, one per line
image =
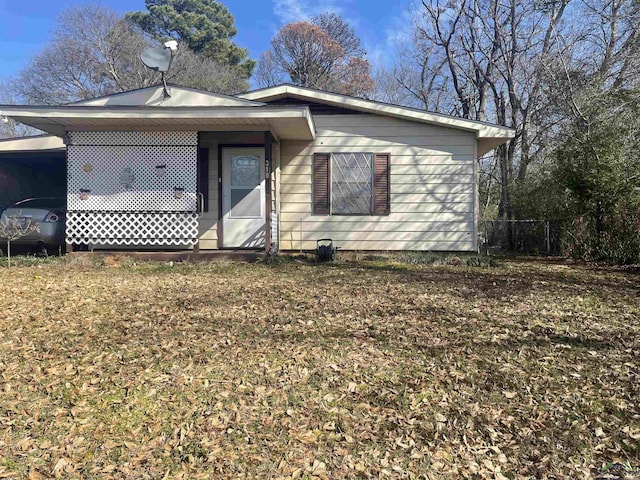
<point x="132" y="228"/>
<point x="351" y="183"/>
<point x="126" y="178"/>
<point x="134" y="138"/>
<point x="132" y="188"/>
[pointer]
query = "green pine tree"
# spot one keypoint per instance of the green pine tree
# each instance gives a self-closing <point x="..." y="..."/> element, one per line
<point x="207" y="27"/>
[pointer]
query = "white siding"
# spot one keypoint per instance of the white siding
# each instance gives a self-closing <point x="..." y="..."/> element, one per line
<point x="433" y="186"/>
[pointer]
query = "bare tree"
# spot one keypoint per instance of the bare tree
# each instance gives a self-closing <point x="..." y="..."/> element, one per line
<point x="94" y="52"/>
<point x="324" y="54"/>
<point x="8" y="127"/>
<point x="520" y="64"/>
<point x="484" y="60"/>
<point x="14" y="227"/>
<point x="198" y="71"/>
<point x="594" y="83"/>
<point x="341" y="32"/>
<point x="609" y="44"/>
<point x="268" y="71"/>
<point x="306" y="53"/>
<point x="387" y="89"/>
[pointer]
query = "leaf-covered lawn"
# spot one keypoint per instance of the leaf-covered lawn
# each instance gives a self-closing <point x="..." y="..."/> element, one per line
<point x="359" y="369"/>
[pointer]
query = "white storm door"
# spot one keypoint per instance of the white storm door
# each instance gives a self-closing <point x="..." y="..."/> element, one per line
<point x="243" y="198"/>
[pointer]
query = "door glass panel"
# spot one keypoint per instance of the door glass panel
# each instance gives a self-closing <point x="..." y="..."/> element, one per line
<point x="245" y="170"/>
<point x="245" y="202"/>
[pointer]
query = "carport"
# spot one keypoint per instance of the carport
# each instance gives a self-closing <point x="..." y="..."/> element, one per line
<point x="32" y="167"/>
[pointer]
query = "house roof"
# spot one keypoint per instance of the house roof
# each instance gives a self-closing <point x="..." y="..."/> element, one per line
<point x="489" y="135"/>
<point x="191" y="109"/>
<point x="180" y="97"/>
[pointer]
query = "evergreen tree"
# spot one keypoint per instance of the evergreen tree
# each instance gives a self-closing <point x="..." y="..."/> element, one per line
<point x="206" y="26"/>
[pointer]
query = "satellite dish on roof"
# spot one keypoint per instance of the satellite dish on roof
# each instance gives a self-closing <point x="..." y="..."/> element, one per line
<point x="159" y="60"/>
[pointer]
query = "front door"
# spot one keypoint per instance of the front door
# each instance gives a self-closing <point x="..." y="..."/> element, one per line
<point x="243" y="198"/>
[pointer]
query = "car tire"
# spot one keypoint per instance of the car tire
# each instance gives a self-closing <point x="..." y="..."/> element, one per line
<point x="41" y="250"/>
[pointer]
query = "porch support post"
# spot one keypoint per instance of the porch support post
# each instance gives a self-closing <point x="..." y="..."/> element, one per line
<point x="268" y="164"/>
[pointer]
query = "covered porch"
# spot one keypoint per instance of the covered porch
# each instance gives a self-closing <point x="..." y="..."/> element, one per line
<point x="171" y="177"/>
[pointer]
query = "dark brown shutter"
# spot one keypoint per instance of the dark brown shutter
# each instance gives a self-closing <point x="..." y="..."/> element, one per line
<point x="381" y="196"/>
<point x="321" y="184"/>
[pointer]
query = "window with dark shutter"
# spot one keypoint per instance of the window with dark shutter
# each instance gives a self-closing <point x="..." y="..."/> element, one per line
<point x="351" y="184"/>
<point x="321" y="184"/>
<point x="381" y="194"/>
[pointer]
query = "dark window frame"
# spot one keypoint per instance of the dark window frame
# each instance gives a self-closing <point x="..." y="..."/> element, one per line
<point x="380" y="200"/>
<point x="203" y="177"/>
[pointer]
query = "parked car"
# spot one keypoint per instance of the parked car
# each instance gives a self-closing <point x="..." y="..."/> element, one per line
<point x="47" y="213"/>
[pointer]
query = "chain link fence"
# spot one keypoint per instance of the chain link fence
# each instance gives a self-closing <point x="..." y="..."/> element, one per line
<point x="535" y="237"/>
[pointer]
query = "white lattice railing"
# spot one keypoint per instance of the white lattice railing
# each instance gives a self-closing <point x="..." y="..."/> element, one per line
<point x="134" y="138"/>
<point x="132" y="228"/>
<point x="126" y="178"/>
<point x="132" y="188"/>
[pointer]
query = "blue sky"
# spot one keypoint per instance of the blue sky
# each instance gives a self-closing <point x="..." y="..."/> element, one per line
<point x="25" y="25"/>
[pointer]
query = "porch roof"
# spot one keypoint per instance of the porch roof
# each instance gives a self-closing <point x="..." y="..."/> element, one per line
<point x="286" y="122"/>
<point x="36" y="143"/>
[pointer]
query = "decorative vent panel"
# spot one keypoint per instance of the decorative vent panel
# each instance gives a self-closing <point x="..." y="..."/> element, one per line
<point x="126" y="178"/>
<point x="134" y="138"/>
<point x="132" y="228"/>
<point x="132" y="188"/>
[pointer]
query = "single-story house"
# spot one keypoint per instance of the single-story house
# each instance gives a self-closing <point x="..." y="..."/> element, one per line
<point x="275" y="169"/>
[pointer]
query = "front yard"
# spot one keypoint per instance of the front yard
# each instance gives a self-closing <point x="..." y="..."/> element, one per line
<point x="360" y="369"/>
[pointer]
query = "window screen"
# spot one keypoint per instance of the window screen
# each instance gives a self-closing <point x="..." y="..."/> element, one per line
<point x="244" y="186"/>
<point x="351" y="183"/>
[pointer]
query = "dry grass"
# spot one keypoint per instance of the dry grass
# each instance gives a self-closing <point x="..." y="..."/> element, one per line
<point x="361" y="369"/>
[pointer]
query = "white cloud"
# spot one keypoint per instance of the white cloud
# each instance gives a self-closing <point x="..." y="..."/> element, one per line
<point x="400" y="28"/>
<point x="383" y="50"/>
<point x="288" y="11"/>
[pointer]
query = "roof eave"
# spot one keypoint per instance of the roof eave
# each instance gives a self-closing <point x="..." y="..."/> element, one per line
<point x="482" y="129"/>
<point x="32" y="144"/>
<point x="57" y="120"/>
